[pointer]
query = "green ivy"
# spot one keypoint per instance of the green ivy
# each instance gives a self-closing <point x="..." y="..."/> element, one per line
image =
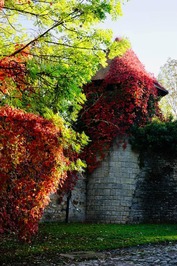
<point x="159" y="137"/>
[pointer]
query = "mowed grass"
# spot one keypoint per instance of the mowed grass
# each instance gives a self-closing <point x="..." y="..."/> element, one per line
<point x="56" y="238"/>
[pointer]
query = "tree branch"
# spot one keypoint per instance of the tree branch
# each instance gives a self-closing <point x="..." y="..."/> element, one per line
<point x="45" y="32"/>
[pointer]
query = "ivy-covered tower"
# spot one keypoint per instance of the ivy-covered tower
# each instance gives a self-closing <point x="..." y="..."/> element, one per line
<point x="119" y="96"/>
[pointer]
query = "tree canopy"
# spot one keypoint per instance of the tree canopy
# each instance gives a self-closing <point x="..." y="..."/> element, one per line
<point x="168" y="77"/>
<point x="64" y="45"/>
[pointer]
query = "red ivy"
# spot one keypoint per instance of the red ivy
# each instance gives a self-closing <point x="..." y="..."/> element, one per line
<point x="31" y="167"/>
<point x="13" y="71"/>
<point x="125" y="97"/>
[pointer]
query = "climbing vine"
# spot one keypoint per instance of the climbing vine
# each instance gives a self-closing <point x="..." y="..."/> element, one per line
<point x="158" y="137"/>
<point x="126" y="96"/>
<point x="32" y="165"/>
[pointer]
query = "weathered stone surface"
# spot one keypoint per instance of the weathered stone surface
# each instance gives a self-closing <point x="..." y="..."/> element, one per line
<point x="55" y="211"/>
<point x="155" y="196"/>
<point x="117" y="176"/>
<point x="119" y="191"/>
<point x="77" y="205"/>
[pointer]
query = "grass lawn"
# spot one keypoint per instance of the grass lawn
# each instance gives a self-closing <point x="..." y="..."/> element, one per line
<point x="56" y="238"/>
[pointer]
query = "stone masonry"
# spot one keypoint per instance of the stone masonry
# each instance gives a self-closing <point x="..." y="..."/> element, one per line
<point x="119" y="191"/>
<point x="155" y="196"/>
<point x="111" y="187"/>
<point x="57" y="211"/>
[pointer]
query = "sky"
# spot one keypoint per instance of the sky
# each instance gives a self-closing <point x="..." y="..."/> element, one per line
<point x="151" y="27"/>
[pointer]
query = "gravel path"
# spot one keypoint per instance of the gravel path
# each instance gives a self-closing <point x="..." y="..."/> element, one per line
<point x="148" y="255"/>
<point x="154" y="255"/>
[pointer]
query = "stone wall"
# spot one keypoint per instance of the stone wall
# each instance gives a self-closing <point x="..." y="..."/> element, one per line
<point x="155" y="196"/>
<point x="119" y="191"/>
<point x="55" y="211"/>
<point x="76" y="202"/>
<point x="111" y="187"/>
<point x="77" y="206"/>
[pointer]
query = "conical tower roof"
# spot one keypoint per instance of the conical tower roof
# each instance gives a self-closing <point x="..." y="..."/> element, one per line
<point x="129" y="64"/>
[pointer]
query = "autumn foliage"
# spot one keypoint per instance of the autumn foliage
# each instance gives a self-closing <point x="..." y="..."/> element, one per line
<point x="33" y="162"/>
<point x="32" y="165"/>
<point x="126" y="96"/>
<point x="13" y="71"/>
<point x="35" y="153"/>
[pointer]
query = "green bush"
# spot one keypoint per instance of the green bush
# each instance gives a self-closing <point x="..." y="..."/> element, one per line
<point x="156" y="137"/>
